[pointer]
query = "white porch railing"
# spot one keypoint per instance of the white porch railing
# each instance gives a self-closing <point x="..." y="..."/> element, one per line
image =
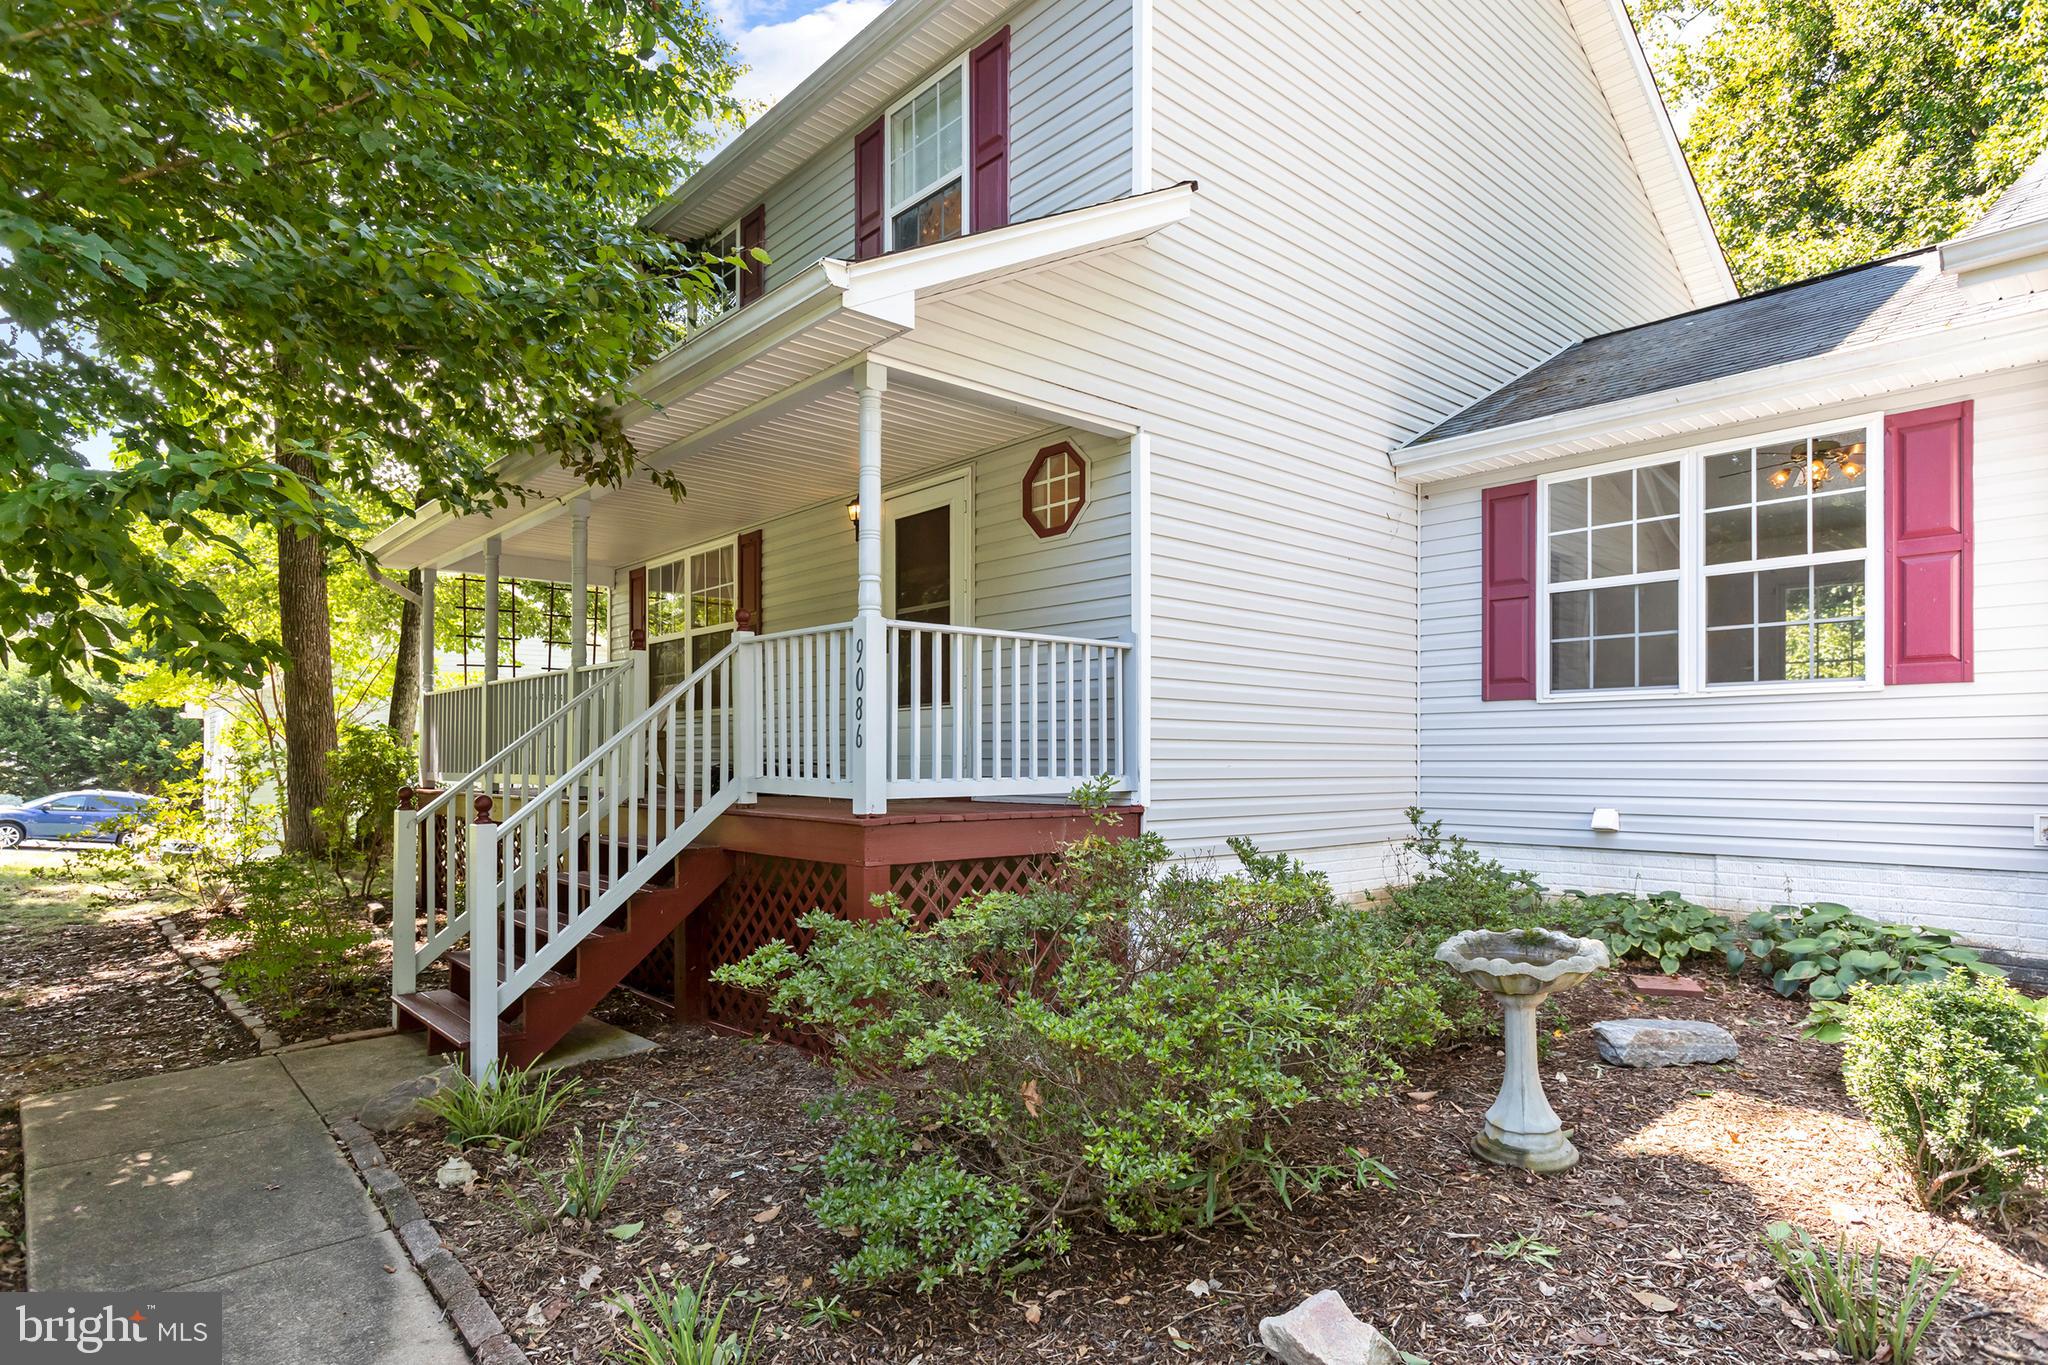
<point x="462" y="727"/>
<point x="955" y="711"/>
<point x="430" y="851"/>
<point x="1004" y="713"/>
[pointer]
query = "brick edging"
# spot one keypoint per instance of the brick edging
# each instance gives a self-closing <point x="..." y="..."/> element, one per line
<point x="267" y="1038"/>
<point x="476" y="1320"/>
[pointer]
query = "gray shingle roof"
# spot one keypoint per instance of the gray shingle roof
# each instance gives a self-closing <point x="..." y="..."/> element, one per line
<point x="1865" y="305"/>
<point x="2025" y="200"/>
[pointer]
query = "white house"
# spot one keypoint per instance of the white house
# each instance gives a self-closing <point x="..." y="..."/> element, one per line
<point x="1126" y="387"/>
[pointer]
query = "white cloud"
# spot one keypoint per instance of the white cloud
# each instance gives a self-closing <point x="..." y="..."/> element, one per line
<point x="781" y="48"/>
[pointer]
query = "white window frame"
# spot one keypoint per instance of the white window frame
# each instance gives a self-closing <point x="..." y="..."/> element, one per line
<point x="683" y="557"/>
<point x="1693" y="570"/>
<point x="707" y="316"/>
<point x="894" y="198"/>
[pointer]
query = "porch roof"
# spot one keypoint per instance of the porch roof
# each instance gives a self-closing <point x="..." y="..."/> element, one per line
<point x="757" y="413"/>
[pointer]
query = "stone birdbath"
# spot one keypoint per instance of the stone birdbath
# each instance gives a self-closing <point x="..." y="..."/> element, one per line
<point x="1521" y="970"/>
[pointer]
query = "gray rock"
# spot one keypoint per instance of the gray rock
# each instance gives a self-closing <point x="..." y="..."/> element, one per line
<point x="1663" y="1042"/>
<point x="402" y="1103"/>
<point x="1323" y="1331"/>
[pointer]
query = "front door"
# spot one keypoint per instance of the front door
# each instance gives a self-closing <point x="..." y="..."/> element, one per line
<point x="925" y="568"/>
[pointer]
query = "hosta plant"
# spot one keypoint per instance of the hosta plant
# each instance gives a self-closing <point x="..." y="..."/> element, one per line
<point x="1664" y="928"/>
<point x="1824" y="949"/>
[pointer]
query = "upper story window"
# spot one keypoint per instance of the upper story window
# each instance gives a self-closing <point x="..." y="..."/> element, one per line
<point x="1728" y="567"/>
<point x="927" y="158"/>
<point x="725" y="276"/>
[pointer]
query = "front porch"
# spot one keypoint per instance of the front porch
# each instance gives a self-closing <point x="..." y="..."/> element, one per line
<point x="887" y="587"/>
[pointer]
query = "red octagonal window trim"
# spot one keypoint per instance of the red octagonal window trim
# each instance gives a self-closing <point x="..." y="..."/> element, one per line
<point x="1055" y="490"/>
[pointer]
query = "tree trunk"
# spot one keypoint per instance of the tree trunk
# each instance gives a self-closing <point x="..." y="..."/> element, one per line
<point x="306" y="630"/>
<point x="405" y="676"/>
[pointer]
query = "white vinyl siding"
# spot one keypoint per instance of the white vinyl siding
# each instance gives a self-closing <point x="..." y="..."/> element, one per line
<point x="1072" y="105"/>
<point x="1487" y="215"/>
<point x="1072" y="125"/>
<point x="1938" y="775"/>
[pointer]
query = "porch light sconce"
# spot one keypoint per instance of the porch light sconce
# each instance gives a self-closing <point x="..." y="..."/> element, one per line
<point x="1607" y="820"/>
<point x="853" y="515"/>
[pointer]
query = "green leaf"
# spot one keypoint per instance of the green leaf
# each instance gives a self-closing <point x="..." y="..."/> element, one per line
<point x="625" y="1232"/>
<point x="1804" y="970"/>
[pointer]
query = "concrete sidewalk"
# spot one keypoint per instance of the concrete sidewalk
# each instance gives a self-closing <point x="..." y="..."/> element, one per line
<point x="226" y="1178"/>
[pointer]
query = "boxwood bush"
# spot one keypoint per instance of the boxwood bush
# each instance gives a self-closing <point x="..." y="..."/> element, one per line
<point x="1122" y="1044"/>
<point x="1952" y="1073"/>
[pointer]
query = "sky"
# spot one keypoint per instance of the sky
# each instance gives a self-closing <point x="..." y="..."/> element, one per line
<point x="782" y="41"/>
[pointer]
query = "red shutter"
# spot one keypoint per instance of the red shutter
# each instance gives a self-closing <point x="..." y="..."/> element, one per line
<point x="636" y="609"/>
<point x="867" y="193"/>
<point x="988" y="132"/>
<point x="1508" y="572"/>
<point x="753" y="233"/>
<point x="1927" y="575"/>
<point x="750" y="581"/>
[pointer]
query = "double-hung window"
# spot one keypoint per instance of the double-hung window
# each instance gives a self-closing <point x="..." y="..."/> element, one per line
<point x="1732" y="566"/>
<point x="691" y="604"/>
<point x="927" y="160"/>
<point x="725" y="277"/>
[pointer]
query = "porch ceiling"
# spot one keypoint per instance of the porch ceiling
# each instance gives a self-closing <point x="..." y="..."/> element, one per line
<point x="782" y="462"/>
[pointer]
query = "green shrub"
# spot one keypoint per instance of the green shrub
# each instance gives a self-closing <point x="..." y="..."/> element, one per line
<point x="509" y="1107"/>
<point x="364" y="774"/>
<point x="1664" y="928"/>
<point x="1845" y="1295"/>
<point x="1824" y="949"/>
<point x="1951" y="1072"/>
<point x="1117" y="1043"/>
<point x="306" y="941"/>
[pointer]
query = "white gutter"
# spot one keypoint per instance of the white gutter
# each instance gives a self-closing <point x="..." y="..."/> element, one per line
<point x="2017" y="339"/>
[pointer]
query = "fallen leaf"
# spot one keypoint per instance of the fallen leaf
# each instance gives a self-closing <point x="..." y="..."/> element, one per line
<point x="717" y="1196"/>
<point x="1590" y="1336"/>
<point x="769" y="1214"/>
<point x="1653" y="1301"/>
<point x="590" y="1276"/>
<point x="1422" y="1096"/>
<point x="1032" y="1102"/>
<point x="1032" y="1314"/>
<point x="1199" y="1288"/>
<point x="1124" y="1302"/>
<point x="739" y="1260"/>
<point x="390" y="1270"/>
<point x="625" y="1232"/>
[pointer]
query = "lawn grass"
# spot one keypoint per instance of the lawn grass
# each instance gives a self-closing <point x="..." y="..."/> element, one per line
<point x="44" y="890"/>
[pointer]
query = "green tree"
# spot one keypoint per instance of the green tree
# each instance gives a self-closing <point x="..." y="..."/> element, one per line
<point x="47" y="745"/>
<point x="1825" y="133"/>
<point x="307" y="258"/>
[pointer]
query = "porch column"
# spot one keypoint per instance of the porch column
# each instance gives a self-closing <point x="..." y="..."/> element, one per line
<point x="493" y="548"/>
<point x="429" y="576"/>
<point x="579" y="587"/>
<point x="871" y="684"/>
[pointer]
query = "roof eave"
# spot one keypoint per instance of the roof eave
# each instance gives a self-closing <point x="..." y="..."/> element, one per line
<point x="2004" y="343"/>
<point x="2014" y="250"/>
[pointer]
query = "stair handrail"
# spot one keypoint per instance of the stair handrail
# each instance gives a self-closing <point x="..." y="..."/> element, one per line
<point x="595" y="688"/>
<point x="540" y="846"/>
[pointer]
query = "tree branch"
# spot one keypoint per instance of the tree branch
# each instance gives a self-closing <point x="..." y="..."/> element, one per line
<point x="179" y="163"/>
<point x="68" y="25"/>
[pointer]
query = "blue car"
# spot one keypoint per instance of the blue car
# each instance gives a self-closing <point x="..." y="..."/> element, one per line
<point x="71" y="815"/>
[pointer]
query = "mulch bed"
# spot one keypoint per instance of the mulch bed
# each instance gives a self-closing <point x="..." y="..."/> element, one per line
<point x="1657" y="1229"/>
<point x="83" y="1004"/>
<point x="361" y="1002"/>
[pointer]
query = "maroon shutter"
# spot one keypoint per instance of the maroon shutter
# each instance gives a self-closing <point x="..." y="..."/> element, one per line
<point x="867" y="193"/>
<point x="1508" y="601"/>
<point x="988" y="132"/>
<point x="753" y="233"/>
<point x="636" y="609"/>
<point x="750" y="581"/>
<point x="1927" y="577"/>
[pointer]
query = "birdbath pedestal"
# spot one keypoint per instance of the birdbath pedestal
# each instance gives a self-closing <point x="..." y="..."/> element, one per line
<point x="1521" y="970"/>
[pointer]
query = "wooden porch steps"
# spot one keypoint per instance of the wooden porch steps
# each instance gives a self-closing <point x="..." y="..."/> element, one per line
<point x="600" y="961"/>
